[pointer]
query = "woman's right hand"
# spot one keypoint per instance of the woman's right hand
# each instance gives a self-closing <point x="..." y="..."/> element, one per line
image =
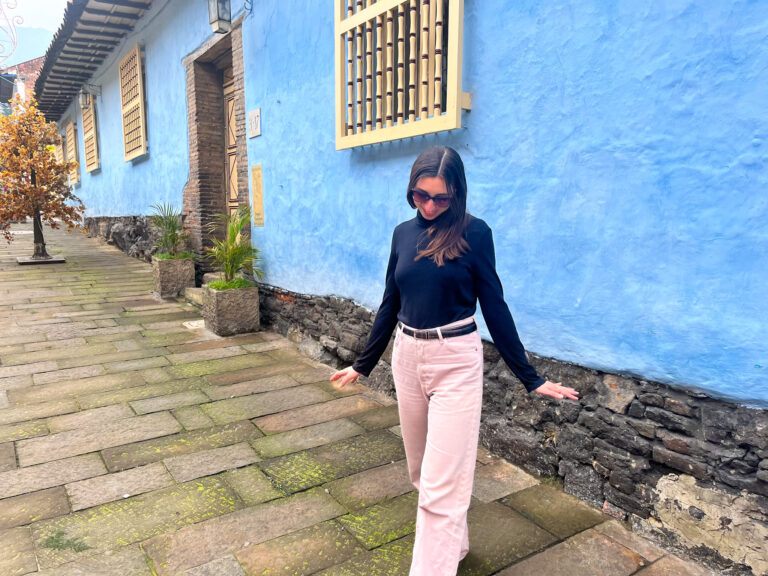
<point x="345" y="376"/>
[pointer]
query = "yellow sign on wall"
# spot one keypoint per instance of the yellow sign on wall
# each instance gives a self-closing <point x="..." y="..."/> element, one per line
<point x="258" y="196"/>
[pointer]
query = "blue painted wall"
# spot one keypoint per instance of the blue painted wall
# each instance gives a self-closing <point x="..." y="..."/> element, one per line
<point x="169" y="31"/>
<point x="618" y="151"/>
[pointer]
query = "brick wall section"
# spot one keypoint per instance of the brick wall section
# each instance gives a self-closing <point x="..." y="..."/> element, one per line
<point x="204" y="192"/>
<point x="610" y="449"/>
<point x="240" y="119"/>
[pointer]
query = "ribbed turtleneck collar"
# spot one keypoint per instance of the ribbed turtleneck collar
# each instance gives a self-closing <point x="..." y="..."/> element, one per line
<point x="439" y="221"/>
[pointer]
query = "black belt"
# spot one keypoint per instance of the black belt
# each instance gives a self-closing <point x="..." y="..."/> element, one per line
<point x="433" y="335"/>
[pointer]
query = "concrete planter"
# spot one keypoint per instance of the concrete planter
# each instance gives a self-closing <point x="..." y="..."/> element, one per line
<point x="228" y="312"/>
<point x="172" y="276"/>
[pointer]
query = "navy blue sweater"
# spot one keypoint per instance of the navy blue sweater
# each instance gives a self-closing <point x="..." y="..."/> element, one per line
<point x="422" y="295"/>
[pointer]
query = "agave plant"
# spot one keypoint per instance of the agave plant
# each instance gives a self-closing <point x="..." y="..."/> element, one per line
<point x="234" y="253"/>
<point x="166" y="221"/>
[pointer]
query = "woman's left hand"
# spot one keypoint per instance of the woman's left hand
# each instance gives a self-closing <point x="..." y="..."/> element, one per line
<point x="557" y="390"/>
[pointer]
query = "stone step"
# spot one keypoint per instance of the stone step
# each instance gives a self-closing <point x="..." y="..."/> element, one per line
<point x="194" y="296"/>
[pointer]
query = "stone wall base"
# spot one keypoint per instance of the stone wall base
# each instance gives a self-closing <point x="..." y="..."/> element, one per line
<point x="683" y="468"/>
<point x="132" y="234"/>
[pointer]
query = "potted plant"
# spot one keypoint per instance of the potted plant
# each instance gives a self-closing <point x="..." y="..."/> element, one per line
<point x="173" y="270"/>
<point x="231" y="304"/>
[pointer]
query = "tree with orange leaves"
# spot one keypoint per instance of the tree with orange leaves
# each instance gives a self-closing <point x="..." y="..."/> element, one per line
<point x="33" y="182"/>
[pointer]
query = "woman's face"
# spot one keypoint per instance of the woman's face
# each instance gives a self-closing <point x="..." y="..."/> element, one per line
<point x="426" y="190"/>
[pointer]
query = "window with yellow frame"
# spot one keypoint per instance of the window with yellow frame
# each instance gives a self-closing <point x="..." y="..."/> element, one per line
<point x="398" y="69"/>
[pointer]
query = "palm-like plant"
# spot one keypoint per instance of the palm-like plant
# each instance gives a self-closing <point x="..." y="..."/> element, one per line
<point x="234" y="253"/>
<point x="167" y="223"/>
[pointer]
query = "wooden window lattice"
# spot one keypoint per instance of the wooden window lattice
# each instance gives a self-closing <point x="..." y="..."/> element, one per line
<point x="71" y="152"/>
<point x="398" y="69"/>
<point x="132" y="99"/>
<point x="90" y="143"/>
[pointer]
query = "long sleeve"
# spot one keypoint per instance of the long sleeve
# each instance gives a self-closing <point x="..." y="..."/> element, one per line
<point x="385" y="322"/>
<point x="497" y="315"/>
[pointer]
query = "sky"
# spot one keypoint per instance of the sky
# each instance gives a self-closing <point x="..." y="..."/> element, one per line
<point x="39" y="21"/>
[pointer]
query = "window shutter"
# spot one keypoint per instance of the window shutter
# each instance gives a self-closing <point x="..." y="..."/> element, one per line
<point x="398" y="69"/>
<point x="132" y="98"/>
<point x="89" y="137"/>
<point x="71" y="152"/>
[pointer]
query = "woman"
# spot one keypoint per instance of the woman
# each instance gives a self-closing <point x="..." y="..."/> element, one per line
<point x="442" y="262"/>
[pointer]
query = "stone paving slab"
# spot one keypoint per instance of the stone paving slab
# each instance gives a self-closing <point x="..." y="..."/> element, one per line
<point x="557" y="512"/>
<point x="53" y="344"/>
<point x="226" y="566"/>
<point x="35" y="411"/>
<point x="499" y="536"/>
<point x="7" y="457"/>
<point x="204" y="542"/>
<point x="209" y="354"/>
<point x="26" y="369"/>
<point x="71" y="373"/>
<point x="132" y="520"/>
<point x="498" y="479"/>
<point x="73" y="388"/>
<point x="93" y="438"/>
<point x="27" y="508"/>
<point x="619" y="533"/>
<point x="138" y="392"/>
<point x="31" y="429"/>
<point x="93" y="417"/>
<point x="385" y="417"/>
<point x="146" y="452"/>
<point x="110" y="487"/>
<point x="296" y="472"/>
<point x="129" y="561"/>
<point x="50" y="474"/>
<point x="252" y="485"/>
<point x="57" y="354"/>
<point x="305" y="438"/>
<point x="207" y="462"/>
<point x="17" y="553"/>
<point x="382" y="523"/>
<point x="219" y="365"/>
<point x="245" y="407"/>
<point x="267" y="384"/>
<point x="239" y="340"/>
<point x="254" y="373"/>
<point x="587" y="553"/>
<point x="371" y="486"/>
<point x="192" y="417"/>
<point x="393" y="559"/>
<point x="302" y="552"/>
<point x="291" y="419"/>
<point x="673" y="566"/>
<point x="11" y="382"/>
<point x="169" y="402"/>
<point x="131" y="365"/>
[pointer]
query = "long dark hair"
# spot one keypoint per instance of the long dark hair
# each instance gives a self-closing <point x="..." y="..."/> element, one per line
<point x="446" y="241"/>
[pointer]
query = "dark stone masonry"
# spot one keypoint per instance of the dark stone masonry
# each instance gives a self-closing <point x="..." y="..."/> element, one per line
<point x="685" y="469"/>
<point x="132" y="234"/>
<point x="682" y="468"/>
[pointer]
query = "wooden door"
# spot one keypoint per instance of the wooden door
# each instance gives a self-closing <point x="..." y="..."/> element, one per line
<point x="230" y="141"/>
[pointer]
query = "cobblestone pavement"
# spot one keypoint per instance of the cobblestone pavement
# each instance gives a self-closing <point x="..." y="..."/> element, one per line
<point x="134" y="442"/>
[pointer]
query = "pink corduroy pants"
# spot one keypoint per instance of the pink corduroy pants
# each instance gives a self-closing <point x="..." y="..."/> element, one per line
<point x="439" y="386"/>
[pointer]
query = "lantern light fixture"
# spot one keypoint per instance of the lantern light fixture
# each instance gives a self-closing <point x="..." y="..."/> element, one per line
<point x="220" y="15"/>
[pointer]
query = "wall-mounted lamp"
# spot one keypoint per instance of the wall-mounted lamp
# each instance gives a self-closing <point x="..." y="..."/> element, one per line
<point x="220" y="16"/>
<point x="87" y="92"/>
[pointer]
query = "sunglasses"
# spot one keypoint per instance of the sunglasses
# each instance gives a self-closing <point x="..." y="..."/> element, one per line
<point x="422" y="198"/>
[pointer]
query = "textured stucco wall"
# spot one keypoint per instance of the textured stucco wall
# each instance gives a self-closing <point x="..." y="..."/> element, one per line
<point x="169" y="31"/>
<point x="617" y="150"/>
